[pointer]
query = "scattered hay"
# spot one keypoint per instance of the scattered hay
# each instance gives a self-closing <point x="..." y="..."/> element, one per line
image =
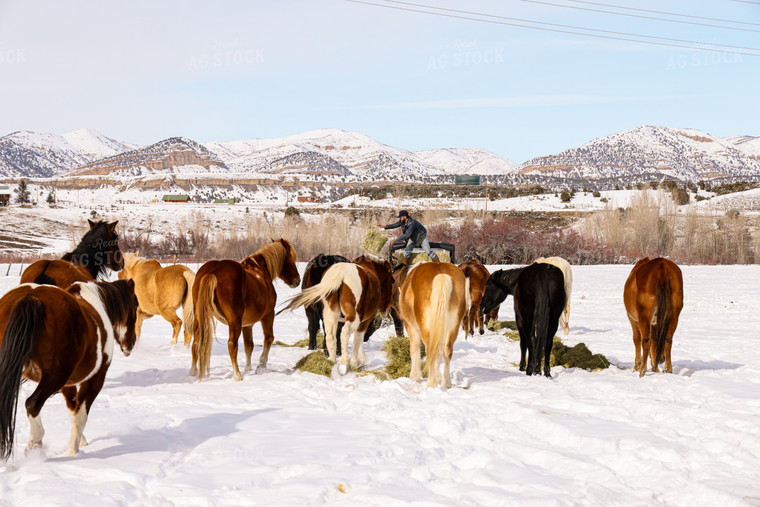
<point x="304" y="343"/>
<point x="399" y="357"/>
<point x="316" y="362"/>
<point x="578" y="356"/>
<point x="374" y="241"/>
<point x="498" y="325"/>
<point x="512" y="336"/>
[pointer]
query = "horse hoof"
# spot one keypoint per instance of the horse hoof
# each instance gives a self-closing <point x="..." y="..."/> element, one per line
<point x="237" y="377"/>
<point x="343" y="369"/>
<point x="261" y="369"/>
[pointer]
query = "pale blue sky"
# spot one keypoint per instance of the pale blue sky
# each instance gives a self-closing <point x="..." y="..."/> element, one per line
<point x="216" y="71"/>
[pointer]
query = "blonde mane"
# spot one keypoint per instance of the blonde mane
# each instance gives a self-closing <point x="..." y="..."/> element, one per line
<point x="274" y="255"/>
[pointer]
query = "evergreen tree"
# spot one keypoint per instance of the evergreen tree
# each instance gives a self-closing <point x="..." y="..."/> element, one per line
<point x="51" y="198"/>
<point x="22" y="193"/>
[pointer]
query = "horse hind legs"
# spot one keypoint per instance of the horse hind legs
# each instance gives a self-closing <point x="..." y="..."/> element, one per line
<point x="36" y="432"/>
<point x="78" y="421"/>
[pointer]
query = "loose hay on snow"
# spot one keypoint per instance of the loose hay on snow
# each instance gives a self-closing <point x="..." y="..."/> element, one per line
<point x="374" y="241"/>
<point x="304" y="343"/>
<point x="498" y="325"/>
<point x="399" y="357"/>
<point x="578" y="356"/>
<point x="316" y="362"/>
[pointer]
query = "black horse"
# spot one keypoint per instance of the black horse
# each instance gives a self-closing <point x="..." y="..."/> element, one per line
<point x="539" y="294"/>
<point x="313" y="274"/>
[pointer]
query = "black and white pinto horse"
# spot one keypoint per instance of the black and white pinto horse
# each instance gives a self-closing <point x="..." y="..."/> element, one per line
<point x="313" y="274"/>
<point x="539" y="294"/>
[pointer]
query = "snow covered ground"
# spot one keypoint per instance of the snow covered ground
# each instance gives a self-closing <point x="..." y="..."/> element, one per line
<point x="159" y="437"/>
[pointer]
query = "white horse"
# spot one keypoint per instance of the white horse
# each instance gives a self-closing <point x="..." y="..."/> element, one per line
<point x="564" y="319"/>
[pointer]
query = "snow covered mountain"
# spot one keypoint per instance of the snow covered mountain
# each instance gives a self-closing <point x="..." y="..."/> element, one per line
<point x="35" y="155"/>
<point x="653" y="152"/>
<point x="467" y="161"/>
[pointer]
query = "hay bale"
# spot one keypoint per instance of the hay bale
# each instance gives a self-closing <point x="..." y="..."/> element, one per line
<point x="443" y="256"/>
<point x="316" y="362"/>
<point x="512" y="336"/>
<point x="399" y="357"/>
<point x="374" y="241"/>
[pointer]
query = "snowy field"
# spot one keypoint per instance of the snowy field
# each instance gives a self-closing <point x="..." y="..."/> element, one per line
<point x="158" y="437"/>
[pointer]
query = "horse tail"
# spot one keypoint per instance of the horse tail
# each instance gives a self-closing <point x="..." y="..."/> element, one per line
<point x="203" y="324"/>
<point x="661" y="316"/>
<point x="541" y="318"/>
<point x="20" y="335"/>
<point x="438" y="320"/>
<point x="332" y="280"/>
<point x="188" y="314"/>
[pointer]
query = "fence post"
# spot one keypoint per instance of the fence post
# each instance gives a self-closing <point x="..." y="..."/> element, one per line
<point x="9" y="269"/>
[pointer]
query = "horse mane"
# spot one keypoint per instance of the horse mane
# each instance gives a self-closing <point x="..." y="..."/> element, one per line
<point x="273" y="256"/>
<point x="85" y="252"/>
<point x="116" y="300"/>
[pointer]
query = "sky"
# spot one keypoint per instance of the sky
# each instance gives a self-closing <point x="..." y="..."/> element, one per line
<point x="218" y="71"/>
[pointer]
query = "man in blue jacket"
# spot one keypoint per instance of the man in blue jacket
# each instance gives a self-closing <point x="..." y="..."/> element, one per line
<point x="414" y="233"/>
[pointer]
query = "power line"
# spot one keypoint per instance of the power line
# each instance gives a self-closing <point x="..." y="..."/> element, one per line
<point x="640" y="16"/>
<point x="559" y="25"/>
<point x="666" y="13"/>
<point x="746" y="2"/>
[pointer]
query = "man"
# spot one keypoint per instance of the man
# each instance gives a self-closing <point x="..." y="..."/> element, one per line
<point x="414" y="233"/>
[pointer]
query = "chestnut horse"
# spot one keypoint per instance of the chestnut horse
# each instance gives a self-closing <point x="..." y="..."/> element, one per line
<point x="239" y="294"/>
<point x="161" y="291"/>
<point x="63" y="340"/>
<point x="357" y="290"/>
<point x="538" y="291"/>
<point x="434" y="299"/>
<point x="653" y="298"/>
<point x="478" y="275"/>
<point x="96" y="253"/>
<point x="567" y="272"/>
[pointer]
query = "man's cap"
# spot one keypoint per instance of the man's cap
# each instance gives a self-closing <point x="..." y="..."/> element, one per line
<point x="403" y="213"/>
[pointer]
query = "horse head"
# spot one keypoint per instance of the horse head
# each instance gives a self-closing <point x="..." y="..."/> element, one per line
<point x="99" y="249"/>
<point x="126" y="316"/>
<point x="499" y="285"/>
<point x="289" y="270"/>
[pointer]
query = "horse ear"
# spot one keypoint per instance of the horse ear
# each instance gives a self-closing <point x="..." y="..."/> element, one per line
<point x="92" y="224"/>
<point x="112" y="226"/>
<point x="131" y="284"/>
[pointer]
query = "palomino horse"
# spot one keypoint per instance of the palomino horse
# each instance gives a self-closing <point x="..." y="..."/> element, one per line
<point x="239" y="294"/>
<point x="478" y="275"/>
<point x="161" y="291"/>
<point x="357" y="290"/>
<point x="96" y="253"/>
<point x="539" y="294"/>
<point x="63" y="340"/>
<point x="434" y="299"/>
<point x="653" y="299"/>
<point x="567" y="272"/>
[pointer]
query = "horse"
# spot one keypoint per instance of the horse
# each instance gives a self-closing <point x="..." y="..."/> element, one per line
<point x="357" y="290"/>
<point x="564" y="319"/>
<point x="653" y="297"/>
<point x="539" y="297"/>
<point x="239" y="294"/>
<point x="96" y="253"/>
<point x="478" y="275"/>
<point x="161" y="291"/>
<point x="434" y="300"/>
<point x="63" y="340"/>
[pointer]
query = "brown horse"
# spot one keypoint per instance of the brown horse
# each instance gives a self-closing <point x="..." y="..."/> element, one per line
<point x="357" y="290"/>
<point x="478" y="275"/>
<point x="239" y="294"/>
<point x="96" y="253"/>
<point x="161" y="291"/>
<point x="434" y="299"/>
<point x="63" y="340"/>
<point x="653" y="299"/>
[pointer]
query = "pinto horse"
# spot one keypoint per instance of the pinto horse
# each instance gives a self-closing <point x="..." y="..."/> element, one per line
<point x="539" y="295"/>
<point x="434" y="300"/>
<point x="478" y="275"/>
<point x="161" y="291"/>
<point x="96" y="253"/>
<point x="653" y="298"/>
<point x="567" y="272"/>
<point x="63" y="340"/>
<point x="356" y="290"/>
<point x="239" y="294"/>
